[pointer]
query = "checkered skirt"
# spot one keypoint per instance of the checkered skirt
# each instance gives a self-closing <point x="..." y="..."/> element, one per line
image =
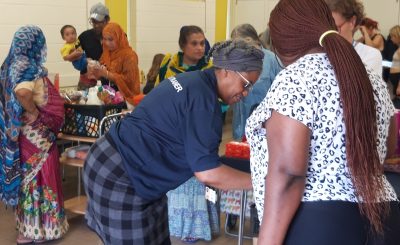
<point x="114" y="210"/>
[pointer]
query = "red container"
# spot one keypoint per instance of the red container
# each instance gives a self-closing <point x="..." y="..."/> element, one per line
<point x="137" y="99"/>
<point x="237" y="150"/>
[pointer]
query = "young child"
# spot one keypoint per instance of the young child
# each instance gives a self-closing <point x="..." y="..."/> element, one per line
<point x="153" y="72"/>
<point x="68" y="34"/>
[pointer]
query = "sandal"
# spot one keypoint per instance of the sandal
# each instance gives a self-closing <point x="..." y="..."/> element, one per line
<point x="190" y="240"/>
<point x="21" y="240"/>
<point x="42" y="241"/>
<point x="24" y="243"/>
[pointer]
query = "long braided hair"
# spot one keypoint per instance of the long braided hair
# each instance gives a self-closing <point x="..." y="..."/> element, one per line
<point x="296" y="27"/>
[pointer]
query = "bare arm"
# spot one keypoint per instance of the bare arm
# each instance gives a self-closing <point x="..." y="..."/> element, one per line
<point x="377" y="42"/>
<point x="25" y="97"/>
<point x="288" y="146"/>
<point x="391" y="141"/>
<point x="225" y="178"/>
<point x="76" y="54"/>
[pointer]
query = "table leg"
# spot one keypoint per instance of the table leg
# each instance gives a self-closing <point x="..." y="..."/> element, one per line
<point x="243" y="200"/>
<point x="79" y="181"/>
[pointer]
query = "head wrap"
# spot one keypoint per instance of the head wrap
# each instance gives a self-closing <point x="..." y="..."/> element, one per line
<point x="115" y="61"/>
<point x="24" y="62"/>
<point x="108" y="57"/>
<point x="237" y="55"/>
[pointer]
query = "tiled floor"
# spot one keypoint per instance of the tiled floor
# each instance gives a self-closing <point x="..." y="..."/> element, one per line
<point x="79" y="233"/>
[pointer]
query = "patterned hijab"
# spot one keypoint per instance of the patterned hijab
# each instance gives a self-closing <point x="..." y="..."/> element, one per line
<point x="24" y="62"/>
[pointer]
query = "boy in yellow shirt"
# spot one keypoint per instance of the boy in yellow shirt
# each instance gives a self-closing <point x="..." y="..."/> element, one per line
<point x="72" y="45"/>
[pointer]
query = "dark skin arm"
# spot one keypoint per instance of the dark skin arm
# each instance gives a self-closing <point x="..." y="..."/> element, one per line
<point x="226" y="178"/>
<point x="391" y="141"/>
<point x="288" y="146"/>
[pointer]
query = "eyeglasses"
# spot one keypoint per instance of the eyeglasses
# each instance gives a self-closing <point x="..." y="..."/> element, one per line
<point x="248" y="86"/>
<point x="339" y="26"/>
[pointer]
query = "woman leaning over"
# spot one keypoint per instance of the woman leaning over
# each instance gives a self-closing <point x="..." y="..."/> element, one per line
<point x="119" y="62"/>
<point x="32" y="112"/>
<point x="322" y="134"/>
<point x="173" y="134"/>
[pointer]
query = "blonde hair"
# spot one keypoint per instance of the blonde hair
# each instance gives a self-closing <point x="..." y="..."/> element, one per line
<point x="395" y="31"/>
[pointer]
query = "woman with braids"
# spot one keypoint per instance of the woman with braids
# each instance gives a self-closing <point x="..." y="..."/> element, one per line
<point x="172" y="135"/>
<point x="319" y="138"/>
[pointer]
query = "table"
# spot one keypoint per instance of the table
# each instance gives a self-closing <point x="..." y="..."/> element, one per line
<point x="78" y="203"/>
<point x="244" y="166"/>
<point x="75" y="138"/>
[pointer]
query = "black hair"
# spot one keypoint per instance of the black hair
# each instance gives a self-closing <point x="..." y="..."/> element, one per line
<point x="65" y="27"/>
<point x="185" y="32"/>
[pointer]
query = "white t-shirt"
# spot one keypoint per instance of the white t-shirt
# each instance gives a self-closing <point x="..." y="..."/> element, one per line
<point x="371" y="57"/>
<point x="307" y="91"/>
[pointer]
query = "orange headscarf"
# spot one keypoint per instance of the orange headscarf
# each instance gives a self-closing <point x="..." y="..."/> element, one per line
<point x="121" y="62"/>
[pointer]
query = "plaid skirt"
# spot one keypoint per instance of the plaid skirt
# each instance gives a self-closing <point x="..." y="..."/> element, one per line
<point x="114" y="210"/>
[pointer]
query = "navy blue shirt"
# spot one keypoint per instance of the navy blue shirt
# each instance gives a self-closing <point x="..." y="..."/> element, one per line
<point x="175" y="131"/>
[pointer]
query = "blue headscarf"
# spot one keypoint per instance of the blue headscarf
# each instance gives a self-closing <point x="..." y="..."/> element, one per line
<point x="24" y="62"/>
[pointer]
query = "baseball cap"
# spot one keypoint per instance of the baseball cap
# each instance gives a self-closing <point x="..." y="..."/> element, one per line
<point x="99" y="12"/>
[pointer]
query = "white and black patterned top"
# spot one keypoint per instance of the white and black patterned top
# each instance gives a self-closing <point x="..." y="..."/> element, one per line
<point x="307" y="91"/>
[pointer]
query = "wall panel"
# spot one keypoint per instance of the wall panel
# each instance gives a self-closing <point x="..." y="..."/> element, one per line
<point x="158" y="23"/>
<point x="50" y="16"/>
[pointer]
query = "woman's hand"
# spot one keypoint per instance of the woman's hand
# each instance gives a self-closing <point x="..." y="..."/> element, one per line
<point x="30" y="117"/>
<point x="363" y="31"/>
<point x="99" y="71"/>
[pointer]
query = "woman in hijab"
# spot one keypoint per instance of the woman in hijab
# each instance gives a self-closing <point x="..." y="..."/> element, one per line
<point x="31" y="114"/>
<point x="120" y="63"/>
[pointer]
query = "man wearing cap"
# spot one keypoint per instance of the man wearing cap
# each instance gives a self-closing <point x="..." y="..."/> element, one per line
<point x="173" y="134"/>
<point x="91" y="39"/>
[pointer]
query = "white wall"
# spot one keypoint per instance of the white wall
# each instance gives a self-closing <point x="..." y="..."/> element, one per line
<point x="257" y="12"/>
<point x="50" y="16"/>
<point x="158" y="23"/>
<point x="254" y="12"/>
<point x="386" y="12"/>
